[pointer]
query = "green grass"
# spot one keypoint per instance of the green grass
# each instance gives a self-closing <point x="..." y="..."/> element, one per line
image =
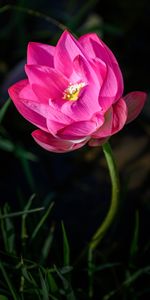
<point x="24" y="277"/>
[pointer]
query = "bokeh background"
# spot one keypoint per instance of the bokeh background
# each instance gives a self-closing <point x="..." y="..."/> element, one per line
<point x="78" y="182"/>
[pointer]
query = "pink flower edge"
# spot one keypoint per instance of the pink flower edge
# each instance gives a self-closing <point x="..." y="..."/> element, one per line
<point x="99" y="111"/>
<point x="53" y="144"/>
<point x="135" y="102"/>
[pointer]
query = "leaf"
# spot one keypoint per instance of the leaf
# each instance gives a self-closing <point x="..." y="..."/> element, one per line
<point x="34" y="13"/>
<point x="23" y="153"/>
<point x="29" y="278"/>
<point x="66" y="248"/>
<point x="68" y="291"/>
<point x="63" y="279"/>
<point x="23" y="225"/>
<point x="10" y="286"/>
<point x="52" y="283"/>
<point x="20" y="213"/>
<point x="6" y="145"/>
<point x="4" y="235"/>
<point x="41" y="222"/>
<point x="45" y="292"/>
<point x="131" y="278"/>
<point x="105" y="266"/>
<point x="10" y="231"/>
<point x="3" y="110"/>
<point x="47" y="245"/>
<point x="19" y="151"/>
<point x="27" y="275"/>
<point x="134" y="243"/>
<point x="66" y="270"/>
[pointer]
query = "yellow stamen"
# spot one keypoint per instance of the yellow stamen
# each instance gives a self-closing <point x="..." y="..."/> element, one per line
<point x="73" y="90"/>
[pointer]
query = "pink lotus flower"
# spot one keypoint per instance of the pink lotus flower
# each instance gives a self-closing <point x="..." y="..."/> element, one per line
<point x="73" y="93"/>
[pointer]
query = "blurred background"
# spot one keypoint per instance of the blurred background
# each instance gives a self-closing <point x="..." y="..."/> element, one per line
<point x="78" y="182"/>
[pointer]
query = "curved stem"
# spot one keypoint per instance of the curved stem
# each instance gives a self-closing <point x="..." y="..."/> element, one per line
<point x="97" y="237"/>
<point x="101" y="231"/>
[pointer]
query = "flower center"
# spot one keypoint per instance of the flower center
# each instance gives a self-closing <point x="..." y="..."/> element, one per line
<point x="72" y="91"/>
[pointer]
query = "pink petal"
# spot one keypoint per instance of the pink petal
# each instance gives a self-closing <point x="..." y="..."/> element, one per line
<point x="115" y="119"/>
<point x="55" y="119"/>
<point x="50" y="143"/>
<point x="66" y="50"/>
<point x="135" y="102"/>
<point x="40" y="54"/>
<point x="25" y="91"/>
<point x="100" y="69"/>
<point x="95" y="48"/>
<point x="85" y="106"/>
<point x="14" y="92"/>
<point x="54" y="126"/>
<point x="86" y="42"/>
<point x="106" y="129"/>
<point x="78" y="130"/>
<point x="119" y="115"/>
<point x="109" y="89"/>
<point x="81" y="68"/>
<point x="85" y="70"/>
<point x="45" y="81"/>
<point x="119" y="78"/>
<point x="47" y="112"/>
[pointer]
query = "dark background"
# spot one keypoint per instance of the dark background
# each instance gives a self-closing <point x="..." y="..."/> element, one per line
<point x="78" y="182"/>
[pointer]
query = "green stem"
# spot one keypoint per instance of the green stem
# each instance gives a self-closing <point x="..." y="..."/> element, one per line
<point x="97" y="237"/>
<point x="101" y="231"/>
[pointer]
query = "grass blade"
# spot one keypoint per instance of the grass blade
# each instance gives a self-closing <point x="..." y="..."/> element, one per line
<point x="45" y="292"/>
<point x="52" y="283"/>
<point x="20" y="213"/>
<point x="23" y="225"/>
<point x="6" y="145"/>
<point x="66" y="248"/>
<point x="8" y="282"/>
<point x="4" y="236"/>
<point x="47" y="245"/>
<point x="3" y="110"/>
<point x="10" y="231"/>
<point x="33" y="13"/>
<point x="21" y="152"/>
<point x="68" y="291"/>
<point x="41" y="222"/>
<point x="131" y="279"/>
<point x="134" y="243"/>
